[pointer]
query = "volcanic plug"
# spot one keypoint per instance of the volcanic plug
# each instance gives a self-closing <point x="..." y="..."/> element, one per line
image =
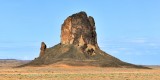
<point x="78" y="46"/>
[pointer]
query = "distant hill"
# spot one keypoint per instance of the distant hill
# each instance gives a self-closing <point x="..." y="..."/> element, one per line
<point x="8" y="59"/>
<point x="12" y="62"/>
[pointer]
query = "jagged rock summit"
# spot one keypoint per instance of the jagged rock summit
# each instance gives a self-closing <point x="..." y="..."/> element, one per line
<point x="78" y="46"/>
<point x="79" y="30"/>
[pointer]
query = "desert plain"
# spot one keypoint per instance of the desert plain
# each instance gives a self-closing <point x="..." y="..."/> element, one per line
<point x="9" y="71"/>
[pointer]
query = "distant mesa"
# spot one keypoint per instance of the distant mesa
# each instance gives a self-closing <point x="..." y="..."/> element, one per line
<point x="78" y="46"/>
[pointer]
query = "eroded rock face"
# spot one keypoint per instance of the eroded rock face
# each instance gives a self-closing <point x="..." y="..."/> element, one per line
<point x="42" y="49"/>
<point x="79" y="29"/>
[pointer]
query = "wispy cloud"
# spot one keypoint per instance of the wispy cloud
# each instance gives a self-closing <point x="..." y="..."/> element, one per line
<point x="136" y="46"/>
<point x="139" y="41"/>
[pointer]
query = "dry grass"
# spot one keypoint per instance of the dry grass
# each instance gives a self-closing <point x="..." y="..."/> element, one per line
<point x="64" y="72"/>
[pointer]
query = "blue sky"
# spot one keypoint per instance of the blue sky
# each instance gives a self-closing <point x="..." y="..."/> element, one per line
<point x="126" y="29"/>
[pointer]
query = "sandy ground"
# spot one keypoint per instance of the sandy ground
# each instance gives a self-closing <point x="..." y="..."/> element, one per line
<point x="64" y="72"/>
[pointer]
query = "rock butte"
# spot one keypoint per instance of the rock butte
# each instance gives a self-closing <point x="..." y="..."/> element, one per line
<point x="78" y="46"/>
<point x="79" y="30"/>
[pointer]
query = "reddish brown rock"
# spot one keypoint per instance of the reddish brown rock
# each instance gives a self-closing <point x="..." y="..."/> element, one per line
<point x="42" y="49"/>
<point x="79" y="30"/>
